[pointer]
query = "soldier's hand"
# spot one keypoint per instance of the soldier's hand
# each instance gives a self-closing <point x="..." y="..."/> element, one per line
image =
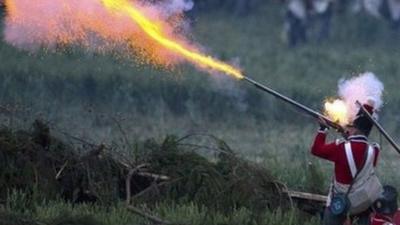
<point x="323" y="125"/>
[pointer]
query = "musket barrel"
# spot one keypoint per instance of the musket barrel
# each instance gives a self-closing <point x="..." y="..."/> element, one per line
<point x="286" y="99"/>
<point x="316" y="114"/>
<point x="380" y="128"/>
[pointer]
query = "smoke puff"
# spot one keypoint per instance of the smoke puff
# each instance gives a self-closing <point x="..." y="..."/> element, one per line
<point x="177" y="6"/>
<point x="226" y="86"/>
<point x="31" y="25"/>
<point x="365" y="88"/>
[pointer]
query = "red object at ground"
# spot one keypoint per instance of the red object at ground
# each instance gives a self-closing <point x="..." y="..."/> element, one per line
<point x="377" y="220"/>
<point x="382" y="220"/>
<point x="396" y="219"/>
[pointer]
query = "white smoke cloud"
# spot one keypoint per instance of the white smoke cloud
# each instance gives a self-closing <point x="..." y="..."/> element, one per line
<point x="180" y="5"/>
<point x="365" y="88"/>
<point x="173" y="7"/>
<point x="32" y="25"/>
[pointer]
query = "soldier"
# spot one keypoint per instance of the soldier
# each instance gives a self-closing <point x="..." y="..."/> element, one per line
<point x="354" y="161"/>
<point x="323" y="12"/>
<point x="390" y="10"/>
<point x="296" y="22"/>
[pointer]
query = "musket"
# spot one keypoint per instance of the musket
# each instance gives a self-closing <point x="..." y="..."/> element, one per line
<point x="380" y="128"/>
<point x="302" y="107"/>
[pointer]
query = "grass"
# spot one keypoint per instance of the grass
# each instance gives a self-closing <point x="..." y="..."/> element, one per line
<point x="57" y="213"/>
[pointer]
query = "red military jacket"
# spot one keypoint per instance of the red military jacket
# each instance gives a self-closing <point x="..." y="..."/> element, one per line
<point x="335" y="152"/>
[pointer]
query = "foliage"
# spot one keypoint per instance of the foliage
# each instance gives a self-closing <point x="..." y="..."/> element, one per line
<point x="60" y="172"/>
<point x="60" y="213"/>
<point x="42" y="167"/>
<point x="225" y="184"/>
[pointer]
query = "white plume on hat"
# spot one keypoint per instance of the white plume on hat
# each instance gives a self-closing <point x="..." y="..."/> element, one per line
<point x="365" y="88"/>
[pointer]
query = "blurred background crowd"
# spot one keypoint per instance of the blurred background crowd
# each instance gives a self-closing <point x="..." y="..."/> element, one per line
<point x="301" y="16"/>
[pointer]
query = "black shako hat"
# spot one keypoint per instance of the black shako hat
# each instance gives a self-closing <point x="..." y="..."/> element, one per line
<point x="362" y="122"/>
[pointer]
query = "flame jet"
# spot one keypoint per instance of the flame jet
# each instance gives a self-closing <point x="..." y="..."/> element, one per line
<point x="156" y="33"/>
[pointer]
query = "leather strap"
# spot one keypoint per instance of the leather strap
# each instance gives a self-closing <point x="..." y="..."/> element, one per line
<point x="350" y="159"/>
<point x="362" y="167"/>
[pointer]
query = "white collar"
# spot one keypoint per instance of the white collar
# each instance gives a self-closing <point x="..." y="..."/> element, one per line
<point x="360" y="136"/>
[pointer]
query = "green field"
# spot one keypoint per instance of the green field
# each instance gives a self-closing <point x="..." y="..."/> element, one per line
<point x="102" y="98"/>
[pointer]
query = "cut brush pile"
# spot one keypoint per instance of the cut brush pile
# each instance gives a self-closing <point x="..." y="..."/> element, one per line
<point x="44" y="167"/>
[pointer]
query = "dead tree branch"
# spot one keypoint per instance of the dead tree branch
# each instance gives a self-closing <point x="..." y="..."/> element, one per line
<point x="152" y="218"/>
<point x="128" y="182"/>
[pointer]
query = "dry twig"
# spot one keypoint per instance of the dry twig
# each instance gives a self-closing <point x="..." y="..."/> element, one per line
<point x="61" y="170"/>
<point x="148" y="216"/>
<point x="154" y="176"/>
<point x="128" y="182"/>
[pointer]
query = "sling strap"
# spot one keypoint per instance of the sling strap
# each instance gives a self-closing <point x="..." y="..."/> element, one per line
<point x="350" y="159"/>
<point x="368" y="157"/>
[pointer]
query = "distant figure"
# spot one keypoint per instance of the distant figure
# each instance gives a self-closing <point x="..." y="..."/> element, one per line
<point x="296" y="22"/>
<point x="354" y="179"/>
<point x="322" y="14"/>
<point x="371" y="7"/>
<point x="388" y="10"/>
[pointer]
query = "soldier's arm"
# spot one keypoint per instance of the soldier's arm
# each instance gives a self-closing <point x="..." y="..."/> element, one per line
<point x="322" y="149"/>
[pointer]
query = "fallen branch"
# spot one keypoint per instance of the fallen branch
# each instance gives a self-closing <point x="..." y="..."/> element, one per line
<point x="284" y="190"/>
<point x="128" y="182"/>
<point x="61" y="170"/>
<point x="94" y="153"/>
<point x="154" y="176"/>
<point x="148" y="216"/>
<point x="154" y="185"/>
<point x="307" y="196"/>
